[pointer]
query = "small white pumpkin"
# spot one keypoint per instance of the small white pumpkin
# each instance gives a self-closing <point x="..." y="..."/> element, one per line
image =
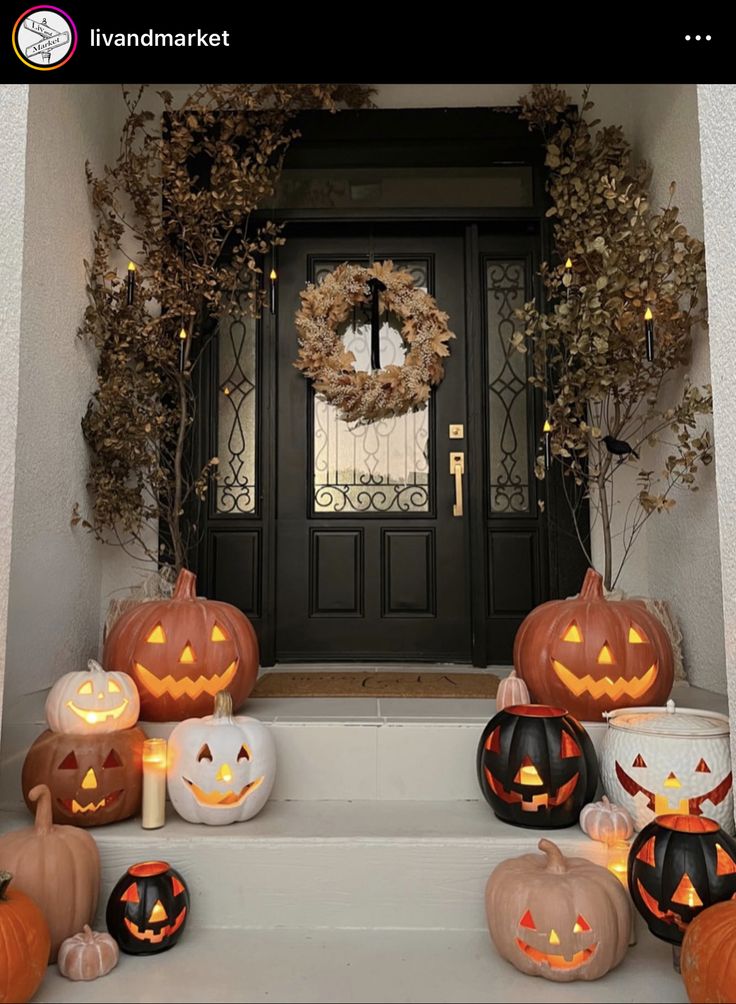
<point x="221" y="769"/>
<point x="92" y="702"/>
<point x="606" y="821"/>
<point x="511" y="690"/>
<point x="88" y="955"/>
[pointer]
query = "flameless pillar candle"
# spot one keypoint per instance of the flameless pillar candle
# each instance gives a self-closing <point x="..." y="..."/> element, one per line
<point x="154" y="784"/>
<point x="617" y="863"/>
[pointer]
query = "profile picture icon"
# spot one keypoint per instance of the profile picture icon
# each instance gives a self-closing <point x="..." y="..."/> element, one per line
<point x="44" y="37"/>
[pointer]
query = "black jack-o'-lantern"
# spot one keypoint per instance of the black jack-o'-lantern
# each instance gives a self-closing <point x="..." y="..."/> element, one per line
<point x="536" y="766"/>
<point x="148" y="908"/>
<point x="678" y="866"/>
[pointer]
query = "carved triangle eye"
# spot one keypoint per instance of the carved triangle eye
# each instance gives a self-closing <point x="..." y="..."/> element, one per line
<point x="528" y="921"/>
<point x="69" y="762"/>
<point x="639" y="761"/>
<point x="131" y="894"/>
<point x="573" y="633"/>
<point x="204" y="754"/>
<point x="569" y="746"/>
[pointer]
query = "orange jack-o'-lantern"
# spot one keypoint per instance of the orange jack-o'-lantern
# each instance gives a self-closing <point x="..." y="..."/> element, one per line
<point x="183" y="651"/>
<point x="591" y="655"/>
<point x="94" y="779"/>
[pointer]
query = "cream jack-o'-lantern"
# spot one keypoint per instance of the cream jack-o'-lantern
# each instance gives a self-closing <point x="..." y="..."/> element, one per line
<point x="657" y="761"/>
<point x="81" y="703"/>
<point x="590" y="654"/>
<point x="221" y="769"/>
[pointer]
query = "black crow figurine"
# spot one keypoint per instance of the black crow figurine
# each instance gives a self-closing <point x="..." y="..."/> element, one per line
<point x="619" y="447"/>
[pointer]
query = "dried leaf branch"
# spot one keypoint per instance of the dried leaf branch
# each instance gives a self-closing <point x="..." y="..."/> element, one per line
<point x="179" y="203"/>
<point x="587" y="344"/>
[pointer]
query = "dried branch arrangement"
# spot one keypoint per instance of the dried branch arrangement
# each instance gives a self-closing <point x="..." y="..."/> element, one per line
<point x="178" y="204"/>
<point x="620" y="265"/>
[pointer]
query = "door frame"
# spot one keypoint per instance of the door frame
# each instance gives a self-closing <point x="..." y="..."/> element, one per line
<point x="478" y="136"/>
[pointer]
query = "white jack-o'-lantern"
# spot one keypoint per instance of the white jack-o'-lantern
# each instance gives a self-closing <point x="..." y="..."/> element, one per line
<point x="92" y="702"/>
<point x="220" y="769"/>
<point x="657" y="761"/>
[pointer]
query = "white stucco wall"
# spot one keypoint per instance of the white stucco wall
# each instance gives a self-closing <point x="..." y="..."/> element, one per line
<point x="717" y="117"/>
<point x="53" y="615"/>
<point x="13" y="115"/>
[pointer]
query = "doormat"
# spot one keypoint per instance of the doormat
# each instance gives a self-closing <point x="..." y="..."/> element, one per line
<point x="481" y="686"/>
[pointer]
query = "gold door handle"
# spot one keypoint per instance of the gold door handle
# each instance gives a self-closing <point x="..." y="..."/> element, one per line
<point x="457" y="468"/>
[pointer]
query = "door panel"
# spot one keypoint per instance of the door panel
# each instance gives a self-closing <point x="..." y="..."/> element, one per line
<point x="364" y="515"/>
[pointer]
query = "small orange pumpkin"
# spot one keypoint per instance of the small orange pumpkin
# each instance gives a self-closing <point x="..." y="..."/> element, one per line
<point x="590" y="655"/>
<point x="708" y="959"/>
<point x="24" y="945"/>
<point x="183" y="651"/>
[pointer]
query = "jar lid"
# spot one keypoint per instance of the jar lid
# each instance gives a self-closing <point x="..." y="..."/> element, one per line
<point x="669" y="721"/>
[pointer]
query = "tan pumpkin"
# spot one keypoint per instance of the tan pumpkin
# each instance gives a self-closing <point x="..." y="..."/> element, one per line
<point x="24" y="944"/>
<point x="511" y="690"/>
<point x="606" y="821"/>
<point x="557" y="917"/>
<point x="708" y="958"/>
<point x="183" y="651"/>
<point x="590" y="654"/>
<point x="88" y="955"/>
<point x="57" y="866"/>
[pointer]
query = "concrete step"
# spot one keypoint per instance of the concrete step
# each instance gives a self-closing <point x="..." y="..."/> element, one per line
<point x="308" y="864"/>
<point x="346" y="748"/>
<point x="415" y="967"/>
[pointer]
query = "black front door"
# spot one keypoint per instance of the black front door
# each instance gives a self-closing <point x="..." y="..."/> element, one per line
<point x="371" y="562"/>
<point x="340" y="543"/>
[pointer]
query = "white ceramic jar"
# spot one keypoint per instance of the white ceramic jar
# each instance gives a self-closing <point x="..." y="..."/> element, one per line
<point x="659" y="760"/>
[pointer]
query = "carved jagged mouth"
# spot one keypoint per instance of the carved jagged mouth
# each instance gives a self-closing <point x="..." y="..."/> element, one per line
<point x="155" y="937"/>
<point x="661" y="804"/>
<point x="668" y="916"/>
<point x="72" y="806"/>
<point x="532" y="803"/>
<point x="222" y="799"/>
<point x="99" y="716"/>
<point x="634" y="687"/>
<point x="193" y="688"/>
<point x="557" y="961"/>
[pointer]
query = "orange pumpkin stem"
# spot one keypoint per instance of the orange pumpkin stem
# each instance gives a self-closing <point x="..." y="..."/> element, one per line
<point x="556" y="862"/>
<point x="592" y="588"/>
<point x="42" y="796"/>
<point x="5" y="879"/>
<point x="186" y="585"/>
